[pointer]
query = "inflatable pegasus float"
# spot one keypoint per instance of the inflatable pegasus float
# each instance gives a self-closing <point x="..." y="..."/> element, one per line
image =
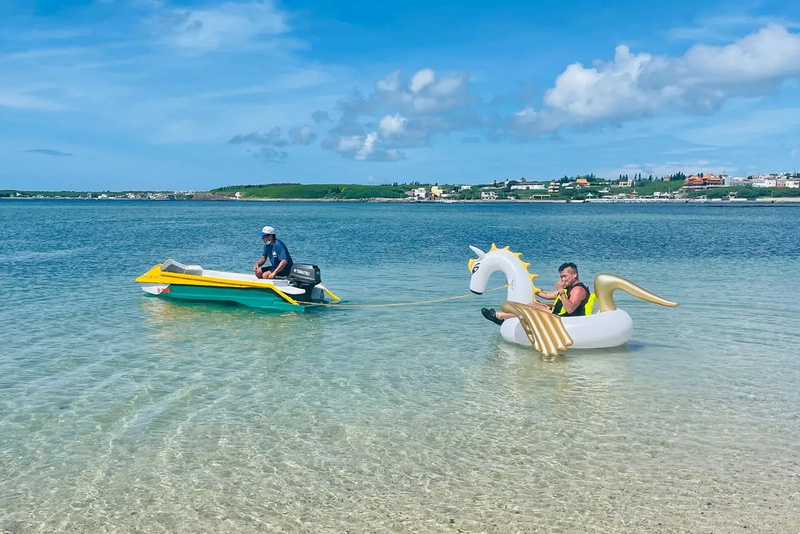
<point x="551" y="334"/>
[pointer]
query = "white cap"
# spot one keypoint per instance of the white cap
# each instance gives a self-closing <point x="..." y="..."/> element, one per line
<point x="267" y="230"/>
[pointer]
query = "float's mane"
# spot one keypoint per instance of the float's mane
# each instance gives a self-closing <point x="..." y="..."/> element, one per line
<point x="505" y="260"/>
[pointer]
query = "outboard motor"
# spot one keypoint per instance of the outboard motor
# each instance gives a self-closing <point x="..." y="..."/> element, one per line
<point x="305" y="276"/>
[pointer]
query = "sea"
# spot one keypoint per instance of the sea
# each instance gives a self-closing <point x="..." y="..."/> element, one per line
<point x="403" y="410"/>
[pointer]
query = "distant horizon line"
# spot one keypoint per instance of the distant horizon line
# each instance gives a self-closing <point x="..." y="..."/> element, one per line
<point x="415" y="183"/>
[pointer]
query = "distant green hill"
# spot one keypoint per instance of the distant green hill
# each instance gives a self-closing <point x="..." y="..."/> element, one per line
<point x="315" y="191"/>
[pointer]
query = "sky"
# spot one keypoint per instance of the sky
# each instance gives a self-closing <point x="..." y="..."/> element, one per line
<point x="192" y="95"/>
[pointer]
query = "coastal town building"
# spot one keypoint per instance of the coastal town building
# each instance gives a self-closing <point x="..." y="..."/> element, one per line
<point x="773" y="180"/>
<point x="703" y="181"/>
<point x="765" y="182"/>
<point x="529" y="187"/>
<point x="764" y="186"/>
<point x="420" y="193"/>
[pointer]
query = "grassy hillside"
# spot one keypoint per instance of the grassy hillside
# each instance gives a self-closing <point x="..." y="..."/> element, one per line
<point x="315" y="191"/>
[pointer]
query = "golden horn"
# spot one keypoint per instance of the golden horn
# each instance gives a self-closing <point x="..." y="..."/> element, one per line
<point x="605" y="284"/>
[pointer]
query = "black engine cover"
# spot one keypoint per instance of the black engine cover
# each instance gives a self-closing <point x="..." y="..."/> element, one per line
<point x="305" y="274"/>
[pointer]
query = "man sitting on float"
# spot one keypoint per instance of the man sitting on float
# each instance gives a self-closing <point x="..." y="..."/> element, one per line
<point x="571" y="297"/>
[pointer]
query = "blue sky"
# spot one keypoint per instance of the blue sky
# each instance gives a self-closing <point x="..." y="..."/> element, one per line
<point x="176" y="95"/>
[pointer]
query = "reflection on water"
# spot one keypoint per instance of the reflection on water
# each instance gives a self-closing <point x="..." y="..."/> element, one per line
<point x="176" y="320"/>
<point x="163" y="310"/>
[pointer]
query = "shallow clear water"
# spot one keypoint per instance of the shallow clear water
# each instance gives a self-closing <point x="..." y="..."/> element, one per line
<point x="126" y="413"/>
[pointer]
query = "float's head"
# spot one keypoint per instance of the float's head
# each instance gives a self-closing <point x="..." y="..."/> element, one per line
<point x="477" y="283"/>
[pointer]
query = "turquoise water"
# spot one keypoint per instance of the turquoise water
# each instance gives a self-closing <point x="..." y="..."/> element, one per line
<point x="126" y="413"/>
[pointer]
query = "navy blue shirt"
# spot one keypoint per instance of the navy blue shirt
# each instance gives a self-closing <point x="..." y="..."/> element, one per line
<point x="277" y="252"/>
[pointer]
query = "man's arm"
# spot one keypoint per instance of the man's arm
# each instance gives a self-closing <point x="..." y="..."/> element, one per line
<point x="539" y="305"/>
<point x="277" y="269"/>
<point x="552" y="295"/>
<point x="547" y="295"/>
<point x="258" y="264"/>
<point x="575" y="297"/>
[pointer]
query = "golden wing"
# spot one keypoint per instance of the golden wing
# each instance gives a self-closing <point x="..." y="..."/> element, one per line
<point x="545" y="331"/>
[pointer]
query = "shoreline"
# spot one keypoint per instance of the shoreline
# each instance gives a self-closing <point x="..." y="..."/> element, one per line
<point x="380" y="200"/>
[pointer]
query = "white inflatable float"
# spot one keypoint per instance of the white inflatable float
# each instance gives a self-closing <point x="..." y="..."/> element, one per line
<point x="550" y="334"/>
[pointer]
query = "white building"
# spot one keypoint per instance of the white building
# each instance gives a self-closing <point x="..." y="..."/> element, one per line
<point x="765" y="182"/>
<point x="420" y="193"/>
<point x="533" y="187"/>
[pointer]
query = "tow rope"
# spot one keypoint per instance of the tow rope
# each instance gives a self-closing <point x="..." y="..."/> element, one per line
<point x="397" y="304"/>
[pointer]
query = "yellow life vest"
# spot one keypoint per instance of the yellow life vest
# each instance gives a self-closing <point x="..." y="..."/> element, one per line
<point x="588" y="304"/>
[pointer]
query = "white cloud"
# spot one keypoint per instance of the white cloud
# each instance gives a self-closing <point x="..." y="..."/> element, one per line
<point x="364" y="148"/>
<point x="302" y="135"/>
<point x="367" y="147"/>
<point x="723" y="27"/>
<point x="449" y="86"/>
<point x="408" y="113"/>
<point x="600" y="92"/>
<point x="298" y="135"/>
<point x="771" y="53"/>
<point x="420" y="80"/>
<point x="230" y="23"/>
<point x="392" y="125"/>
<point x="636" y="85"/>
<point x="425" y="93"/>
<point x="349" y="143"/>
<point x="391" y="83"/>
